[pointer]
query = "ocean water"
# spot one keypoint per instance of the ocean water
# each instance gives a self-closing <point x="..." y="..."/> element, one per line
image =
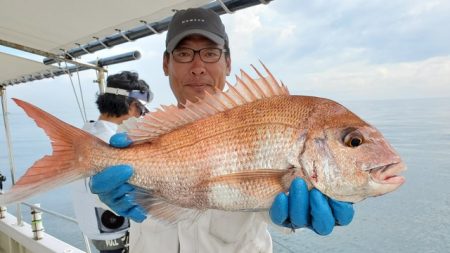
<point x="415" y="218"/>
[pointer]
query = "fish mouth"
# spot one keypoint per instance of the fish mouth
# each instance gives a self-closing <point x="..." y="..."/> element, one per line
<point x="388" y="174"/>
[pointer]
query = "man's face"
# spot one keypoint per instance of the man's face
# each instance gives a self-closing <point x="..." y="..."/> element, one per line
<point x="189" y="81"/>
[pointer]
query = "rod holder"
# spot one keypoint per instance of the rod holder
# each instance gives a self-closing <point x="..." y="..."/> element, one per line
<point x="2" y="210"/>
<point x="36" y="223"/>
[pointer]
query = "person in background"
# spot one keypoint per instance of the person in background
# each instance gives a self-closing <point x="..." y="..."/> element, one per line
<point x="197" y="59"/>
<point x="125" y="96"/>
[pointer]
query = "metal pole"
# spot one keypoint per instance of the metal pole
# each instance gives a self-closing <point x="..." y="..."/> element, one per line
<point x="101" y="81"/>
<point x="10" y="150"/>
<point x="46" y="54"/>
<point x="86" y="243"/>
<point x="39" y="208"/>
<point x="103" y="62"/>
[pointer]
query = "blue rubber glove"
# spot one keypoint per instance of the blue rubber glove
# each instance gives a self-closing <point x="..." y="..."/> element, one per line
<point x="312" y="209"/>
<point x="112" y="188"/>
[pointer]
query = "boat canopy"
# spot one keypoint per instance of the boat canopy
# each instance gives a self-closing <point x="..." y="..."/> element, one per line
<point x="54" y="28"/>
<point x="13" y="68"/>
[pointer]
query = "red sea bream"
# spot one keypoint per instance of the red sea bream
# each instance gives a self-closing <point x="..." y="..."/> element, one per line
<point x="233" y="150"/>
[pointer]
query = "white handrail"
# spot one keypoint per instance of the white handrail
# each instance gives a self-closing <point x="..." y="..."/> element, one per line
<point x="61" y="216"/>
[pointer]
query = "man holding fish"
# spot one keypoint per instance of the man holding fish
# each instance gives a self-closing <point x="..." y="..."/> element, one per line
<point x="197" y="59"/>
<point x="209" y="171"/>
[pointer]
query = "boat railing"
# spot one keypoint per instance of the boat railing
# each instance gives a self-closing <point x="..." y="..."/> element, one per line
<point x="36" y="222"/>
<point x="35" y="207"/>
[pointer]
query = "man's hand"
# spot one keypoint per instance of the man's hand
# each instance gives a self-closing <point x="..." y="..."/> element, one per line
<point x="112" y="187"/>
<point x="312" y="209"/>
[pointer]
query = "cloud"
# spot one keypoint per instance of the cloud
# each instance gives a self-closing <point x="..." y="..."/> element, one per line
<point x="348" y="49"/>
<point x="393" y="31"/>
<point x="361" y="80"/>
<point x="340" y="49"/>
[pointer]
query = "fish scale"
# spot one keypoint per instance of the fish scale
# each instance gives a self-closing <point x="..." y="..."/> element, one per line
<point x="234" y="140"/>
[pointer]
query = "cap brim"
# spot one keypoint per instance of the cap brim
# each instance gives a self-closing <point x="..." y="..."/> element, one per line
<point x="175" y="40"/>
<point x="145" y="105"/>
<point x="147" y="110"/>
<point x="142" y="102"/>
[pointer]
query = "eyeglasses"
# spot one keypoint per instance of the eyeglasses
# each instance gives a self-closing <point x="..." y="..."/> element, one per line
<point x="143" y="96"/>
<point x="208" y="55"/>
<point x="142" y="108"/>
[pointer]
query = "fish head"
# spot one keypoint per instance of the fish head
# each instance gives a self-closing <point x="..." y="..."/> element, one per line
<point x="349" y="160"/>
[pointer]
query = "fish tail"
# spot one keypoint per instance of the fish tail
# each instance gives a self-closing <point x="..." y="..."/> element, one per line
<point x="61" y="167"/>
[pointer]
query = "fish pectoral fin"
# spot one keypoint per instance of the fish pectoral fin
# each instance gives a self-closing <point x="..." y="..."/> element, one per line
<point x="263" y="184"/>
<point x="161" y="210"/>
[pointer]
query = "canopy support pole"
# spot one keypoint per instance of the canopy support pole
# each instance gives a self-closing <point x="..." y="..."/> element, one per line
<point x="224" y="7"/>
<point x="101" y="81"/>
<point x="46" y="54"/>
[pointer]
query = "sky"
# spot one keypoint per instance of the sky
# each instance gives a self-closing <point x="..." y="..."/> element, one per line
<point x="338" y="49"/>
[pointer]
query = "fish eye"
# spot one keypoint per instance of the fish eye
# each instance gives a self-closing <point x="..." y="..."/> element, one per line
<point x="353" y="139"/>
<point x="355" y="142"/>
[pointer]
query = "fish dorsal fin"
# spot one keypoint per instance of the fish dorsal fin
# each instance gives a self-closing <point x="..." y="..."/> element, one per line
<point x="167" y="118"/>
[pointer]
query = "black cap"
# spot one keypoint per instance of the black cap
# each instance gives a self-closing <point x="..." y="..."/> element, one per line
<point x="195" y="21"/>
